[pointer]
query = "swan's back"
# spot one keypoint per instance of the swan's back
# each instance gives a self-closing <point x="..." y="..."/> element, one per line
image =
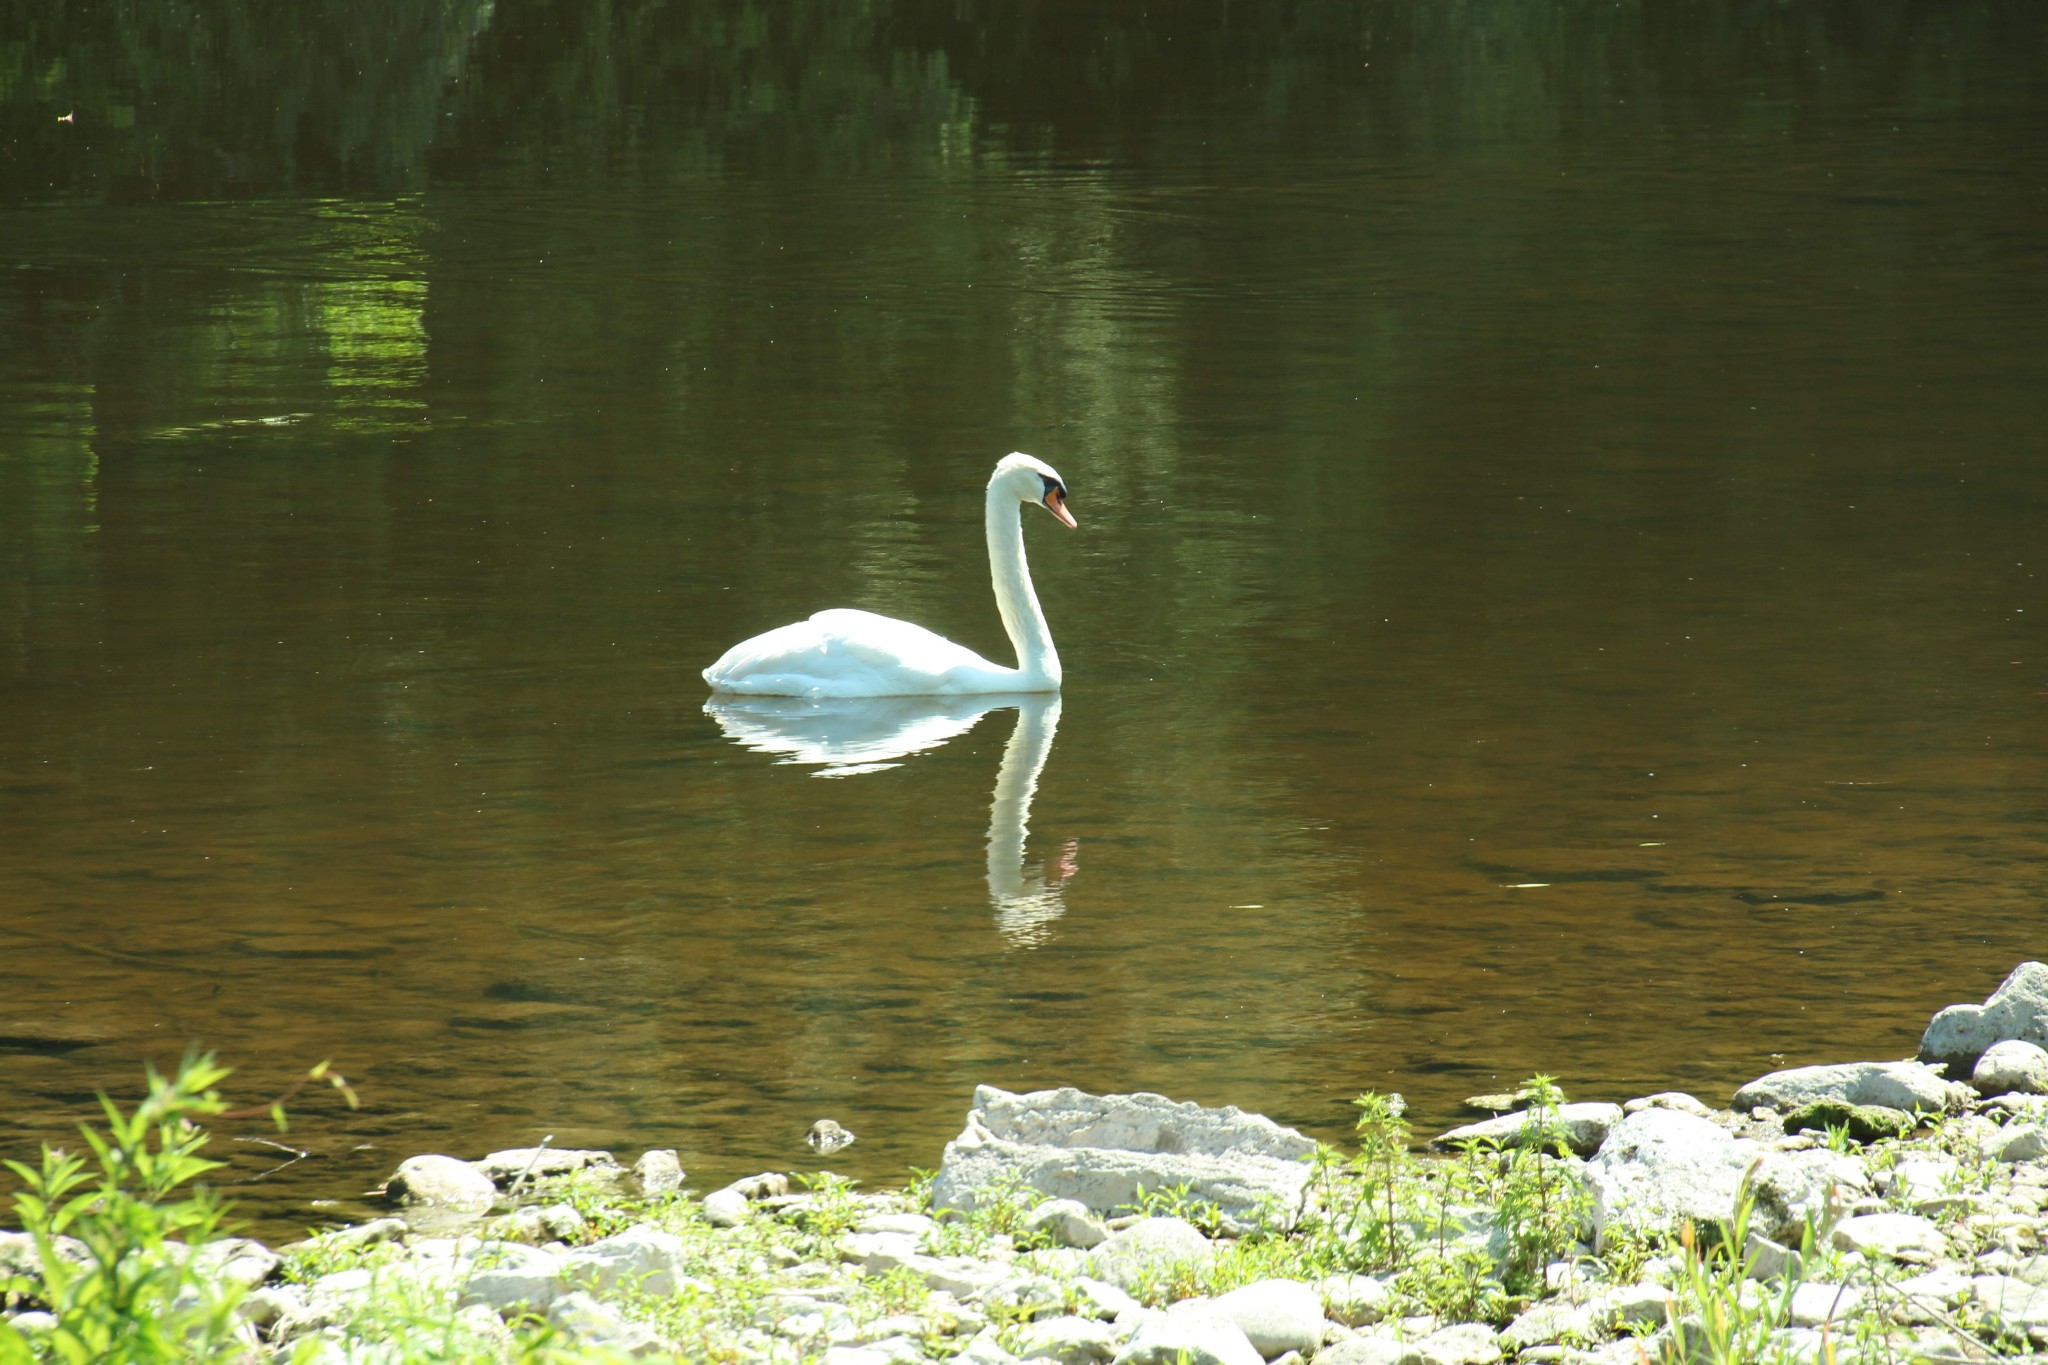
<point x="847" y="653"/>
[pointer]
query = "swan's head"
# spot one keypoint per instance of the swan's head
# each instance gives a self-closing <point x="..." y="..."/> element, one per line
<point x="1033" y="480"/>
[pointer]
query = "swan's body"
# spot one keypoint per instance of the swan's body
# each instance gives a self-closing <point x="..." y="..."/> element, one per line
<point x="845" y="653"/>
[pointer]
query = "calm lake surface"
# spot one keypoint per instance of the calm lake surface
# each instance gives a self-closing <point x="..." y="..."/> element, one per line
<point x="1560" y="585"/>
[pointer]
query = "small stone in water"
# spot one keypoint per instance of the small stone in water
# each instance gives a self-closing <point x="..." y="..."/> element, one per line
<point x="827" y="1137"/>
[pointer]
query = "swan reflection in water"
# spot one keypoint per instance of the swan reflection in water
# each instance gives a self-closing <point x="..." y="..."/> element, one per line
<point x="848" y="736"/>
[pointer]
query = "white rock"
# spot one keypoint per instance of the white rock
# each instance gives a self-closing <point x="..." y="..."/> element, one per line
<point x="267" y="1303"/>
<point x="1101" y="1149"/>
<point x="643" y="1258"/>
<point x="1067" y="1340"/>
<point x="2023" y="1142"/>
<point x="1548" y="1322"/>
<point x="2015" y="1303"/>
<point x="1068" y="1222"/>
<point x="1816" y="1302"/>
<point x="1911" y="1087"/>
<point x="961" y="1276"/>
<point x="985" y="1349"/>
<point x="1192" y="1332"/>
<point x="1354" y="1300"/>
<point x="888" y="1351"/>
<point x="1792" y="1187"/>
<point x="1469" y="1343"/>
<point x="1769" y="1260"/>
<point x="1960" y="1034"/>
<point x="1366" y="1351"/>
<point x="1645" y="1305"/>
<point x="1276" y="1316"/>
<point x="587" y="1322"/>
<point x="1659" y="1167"/>
<point x="1925" y="1175"/>
<point x="1105" y="1299"/>
<point x="528" y="1164"/>
<point x="442" y="1181"/>
<point x="1583" y="1127"/>
<point x="1898" y="1236"/>
<point x="726" y="1208"/>
<point x="507" y="1289"/>
<point x="876" y="1252"/>
<point x="910" y="1224"/>
<point x="659" y="1170"/>
<point x="1669" y="1099"/>
<point x="1929" y="1298"/>
<point x="1149" y="1248"/>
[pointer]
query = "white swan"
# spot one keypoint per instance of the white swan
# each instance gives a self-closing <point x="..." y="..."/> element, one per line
<point x="844" y="653"/>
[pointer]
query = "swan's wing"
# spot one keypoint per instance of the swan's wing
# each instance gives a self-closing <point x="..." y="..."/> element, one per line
<point x="845" y="653"/>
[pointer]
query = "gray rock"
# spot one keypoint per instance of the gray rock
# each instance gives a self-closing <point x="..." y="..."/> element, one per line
<point x="1276" y="1316"/>
<point x="1147" y="1249"/>
<point x="1791" y="1188"/>
<point x="1960" y="1034"/>
<point x="1067" y="1222"/>
<point x="442" y="1181"/>
<point x="2014" y="1066"/>
<point x="588" y="1322"/>
<point x="659" y="1171"/>
<point x="1897" y="1236"/>
<point x="1192" y="1332"/>
<point x="528" y="1164"/>
<point x="1353" y="1300"/>
<point x="1067" y="1340"/>
<point x="1908" y="1086"/>
<point x="1101" y="1149"/>
<point x="1583" y="1128"/>
<point x="1468" y="1343"/>
<point x="643" y="1258"/>
<point x="1659" y="1167"/>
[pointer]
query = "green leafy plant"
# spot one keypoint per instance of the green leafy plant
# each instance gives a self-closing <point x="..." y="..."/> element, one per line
<point x="108" y="1234"/>
<point x="1541" y="1201"/>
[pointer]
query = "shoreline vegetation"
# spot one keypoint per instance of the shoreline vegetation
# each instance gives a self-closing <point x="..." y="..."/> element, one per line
<point x="1869" y="1211"/>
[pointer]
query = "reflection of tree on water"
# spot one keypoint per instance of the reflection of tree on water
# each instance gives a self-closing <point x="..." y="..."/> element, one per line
<point x="846" y="737"/>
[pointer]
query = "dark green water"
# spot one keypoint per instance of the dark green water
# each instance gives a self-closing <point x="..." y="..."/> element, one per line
<point x="1560" y="582"/>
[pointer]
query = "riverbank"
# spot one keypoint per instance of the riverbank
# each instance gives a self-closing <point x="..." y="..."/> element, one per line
<point x="1874" y="1211"/>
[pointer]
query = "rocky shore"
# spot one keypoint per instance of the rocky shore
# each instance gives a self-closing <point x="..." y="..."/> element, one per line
<point x="1867" y="1211"/>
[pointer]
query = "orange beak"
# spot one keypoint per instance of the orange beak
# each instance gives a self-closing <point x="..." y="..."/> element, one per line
<point x="1056" y="503"/>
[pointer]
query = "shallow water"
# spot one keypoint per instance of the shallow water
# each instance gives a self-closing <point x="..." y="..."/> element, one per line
<point x="1559" y="587"/>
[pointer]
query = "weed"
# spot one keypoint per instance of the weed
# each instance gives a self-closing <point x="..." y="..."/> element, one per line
<point x="133" y="1295"/>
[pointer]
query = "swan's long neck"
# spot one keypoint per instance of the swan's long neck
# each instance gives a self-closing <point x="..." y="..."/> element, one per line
<point x="1023" y="619"/>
